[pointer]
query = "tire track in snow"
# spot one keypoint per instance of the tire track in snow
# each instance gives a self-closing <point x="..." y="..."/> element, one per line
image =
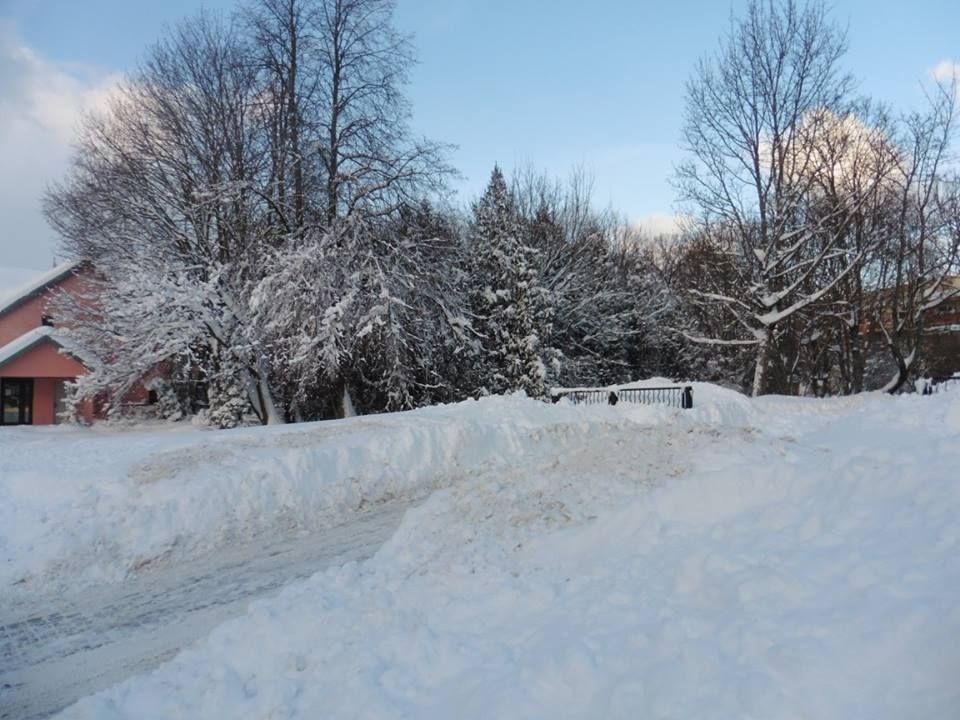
<point x="55" y="650"/>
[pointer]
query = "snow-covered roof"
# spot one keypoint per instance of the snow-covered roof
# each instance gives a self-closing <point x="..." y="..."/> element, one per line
<point x="31" y="339"/>
<point x="18" y="296"/>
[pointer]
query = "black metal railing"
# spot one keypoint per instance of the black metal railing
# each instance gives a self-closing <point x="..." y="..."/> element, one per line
<point x="942" y="384"/>
<point x="676" y="396"/>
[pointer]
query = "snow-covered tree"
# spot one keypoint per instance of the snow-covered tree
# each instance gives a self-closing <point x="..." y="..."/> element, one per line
<point x="607" y="297"/>
<point x="243" y="146"/>
<point x="757" y="115"/>
<point x="361" y="316"/>
<point x="427" y="340"/>
<point x="332" y="73"/>
<point x="910" y="277"/>
<point x="133" y="324"/>
<point x="509" y="307"/>
<point x="163" y="198"/>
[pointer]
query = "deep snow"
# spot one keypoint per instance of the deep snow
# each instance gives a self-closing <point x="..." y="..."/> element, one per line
<point x="748" y="559"/>
<point x="81" y="506"/>
<point x="55" y="650"/>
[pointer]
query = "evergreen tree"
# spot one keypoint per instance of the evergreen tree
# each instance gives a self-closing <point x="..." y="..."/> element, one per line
<point x="508" y="303"/>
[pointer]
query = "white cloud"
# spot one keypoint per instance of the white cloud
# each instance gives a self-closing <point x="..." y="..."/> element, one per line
<point x="41" y="103"/>
<point x="946" y="70"/>
<point x="656" y="224"/>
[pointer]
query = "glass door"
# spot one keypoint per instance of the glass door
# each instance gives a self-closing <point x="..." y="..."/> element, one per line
<point x="16" y="395"/>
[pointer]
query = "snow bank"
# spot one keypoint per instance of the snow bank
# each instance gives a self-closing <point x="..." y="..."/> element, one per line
<point x="678" y="569"/>
<point x="81" y="506"/>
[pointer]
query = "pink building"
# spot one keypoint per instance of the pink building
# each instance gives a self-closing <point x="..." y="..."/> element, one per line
<point x="35" y="363"/>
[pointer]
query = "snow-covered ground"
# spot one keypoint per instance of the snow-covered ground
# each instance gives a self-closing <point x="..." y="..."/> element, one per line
<point x="747" y="559"/>
<point x="81" y="506"/>
<point x="56" y="649"/>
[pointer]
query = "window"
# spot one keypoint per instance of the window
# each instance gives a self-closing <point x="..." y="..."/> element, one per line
<point x="16" y="396"/>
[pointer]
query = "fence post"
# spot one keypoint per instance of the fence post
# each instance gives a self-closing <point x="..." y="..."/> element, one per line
<point x="687" y="402"/>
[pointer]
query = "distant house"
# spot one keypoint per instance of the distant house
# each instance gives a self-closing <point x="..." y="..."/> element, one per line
<point x="940" y="339"/>
<point x="941" y="334"/>
<point x="36" y="362"/>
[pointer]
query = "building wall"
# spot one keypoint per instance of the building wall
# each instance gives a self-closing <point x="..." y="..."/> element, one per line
<point x="44" y="360"/>
<point x="47" y="367"/>
<point x="45" y="402"/>
<point x="941" y="351"/>
<point x="940" y="343"/>
<point x="29" y="315"/>
<point x="44" y="390"/>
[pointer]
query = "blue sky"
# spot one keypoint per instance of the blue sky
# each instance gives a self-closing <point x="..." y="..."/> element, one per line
<point x="551" y="83"/>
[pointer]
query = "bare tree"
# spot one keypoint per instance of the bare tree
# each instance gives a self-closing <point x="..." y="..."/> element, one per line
<point x="754" y="112"/>
<point x="342" y="153"/>
<point x="332" y="73"/>
<point x="857" y="179"/>
<point x="606" y="295"/>
<point x="239" y="136"/>
<point x="704" y="260"/>
<point x="911" y="274"/>
<point x="285" y="50"/>
<point x="164" y="198"/>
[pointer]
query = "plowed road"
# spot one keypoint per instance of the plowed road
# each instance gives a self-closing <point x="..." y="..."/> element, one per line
<point x="55" y="650"/>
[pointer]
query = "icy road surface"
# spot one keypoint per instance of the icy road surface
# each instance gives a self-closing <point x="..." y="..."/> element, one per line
<point x="55" y="650"/>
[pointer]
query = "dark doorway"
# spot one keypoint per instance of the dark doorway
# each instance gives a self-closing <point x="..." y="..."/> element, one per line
<point x="16" y="395"/>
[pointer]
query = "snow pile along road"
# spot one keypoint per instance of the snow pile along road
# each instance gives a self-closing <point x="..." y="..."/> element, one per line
<point x="773" y="559"/>
<point x="85" y="506"/>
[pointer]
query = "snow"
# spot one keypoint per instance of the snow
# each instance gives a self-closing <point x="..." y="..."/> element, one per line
<point x="81" y="506"/>
<point x="17" y="346"/>
<point x="769" y="558"/>
<point x="652" y="383"/>
<point x="56" y="650"/>
<point x="12" y="279"/>
<point x="29" y="338"/>
<point x="942" y="329"/>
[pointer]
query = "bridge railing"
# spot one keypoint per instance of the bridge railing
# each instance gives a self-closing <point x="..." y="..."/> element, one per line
<point x="673" y="396"/>
<point x="941" y="384"/>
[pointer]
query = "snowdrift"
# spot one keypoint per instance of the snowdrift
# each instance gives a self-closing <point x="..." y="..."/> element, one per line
<point x="82" y="506"/>
<point x="770" y="559"/>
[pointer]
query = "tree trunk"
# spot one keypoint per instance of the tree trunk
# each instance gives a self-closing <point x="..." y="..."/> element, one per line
<point x="273" y="416"/>
<point x="904" y="364"/>
<point x="347" y="403"/>
<point x="763" y="361"/>
<point x="857" y="360"/>
<point x="262" y="399"/>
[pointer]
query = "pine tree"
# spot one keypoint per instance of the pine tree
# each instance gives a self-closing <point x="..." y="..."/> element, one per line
<point x="506" y="299"/>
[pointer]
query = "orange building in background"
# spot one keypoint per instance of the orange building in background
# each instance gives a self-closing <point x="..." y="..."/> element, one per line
<point x="35" y="362"/>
